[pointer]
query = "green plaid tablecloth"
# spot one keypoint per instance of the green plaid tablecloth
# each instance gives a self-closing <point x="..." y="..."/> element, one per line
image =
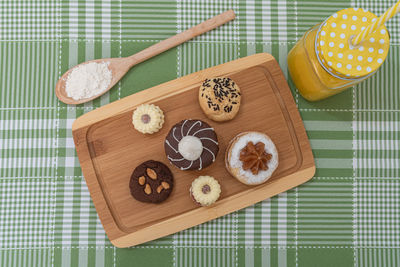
<point x="348" y="215"/>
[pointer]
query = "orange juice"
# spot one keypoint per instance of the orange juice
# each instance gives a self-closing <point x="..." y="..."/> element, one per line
<point x="324" y="63"/>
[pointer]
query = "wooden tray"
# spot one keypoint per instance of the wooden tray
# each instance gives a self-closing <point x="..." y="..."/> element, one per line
<point x="109" y="148"/>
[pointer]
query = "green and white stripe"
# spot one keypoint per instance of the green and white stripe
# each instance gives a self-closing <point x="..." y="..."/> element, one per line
<point x="27" y="140"/>
<point x="267" y="21"/>
<point x="377" y="207"/>
<point x="28" y="74"/>
<point x="377" y="144"/>
<point x="25" y="209"/>
<point x="28" y="20"/>
<point x="191" y="13"/>
<point x="377" y="257"/>
<point x="381" y="91"/>
<point x="25" y="257"/>
<point x="76" y="220"/>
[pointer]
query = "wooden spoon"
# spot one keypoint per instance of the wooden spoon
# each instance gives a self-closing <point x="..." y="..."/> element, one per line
<point x="120" y="66"/>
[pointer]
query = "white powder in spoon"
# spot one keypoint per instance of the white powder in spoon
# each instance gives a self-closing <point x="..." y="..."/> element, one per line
<point x="88" y="80"/>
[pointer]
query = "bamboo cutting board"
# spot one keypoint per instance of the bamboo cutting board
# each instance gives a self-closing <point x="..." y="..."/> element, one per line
<point x="109" y="149"/>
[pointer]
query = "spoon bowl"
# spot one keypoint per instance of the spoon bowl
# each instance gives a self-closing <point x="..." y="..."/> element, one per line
<point x="120" y="66"/>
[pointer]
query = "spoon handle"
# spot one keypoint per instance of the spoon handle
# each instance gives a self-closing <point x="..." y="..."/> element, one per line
<point x="182" y="37"/>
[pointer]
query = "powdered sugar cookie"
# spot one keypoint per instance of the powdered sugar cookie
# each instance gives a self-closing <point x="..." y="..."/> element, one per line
<point x="251" y="157"/>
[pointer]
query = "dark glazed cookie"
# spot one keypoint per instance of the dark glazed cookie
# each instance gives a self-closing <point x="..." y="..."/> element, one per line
<point x="151" y="181"/>
<point x="191" y="145"/>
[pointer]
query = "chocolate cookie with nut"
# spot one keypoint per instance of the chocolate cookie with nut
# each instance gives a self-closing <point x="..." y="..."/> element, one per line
<point x="152" y="182"/>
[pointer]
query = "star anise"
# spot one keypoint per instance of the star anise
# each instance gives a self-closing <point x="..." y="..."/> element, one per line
<point x="254" y="157"/>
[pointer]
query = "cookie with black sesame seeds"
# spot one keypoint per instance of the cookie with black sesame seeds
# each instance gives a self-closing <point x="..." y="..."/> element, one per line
<point x="220" y="98"/>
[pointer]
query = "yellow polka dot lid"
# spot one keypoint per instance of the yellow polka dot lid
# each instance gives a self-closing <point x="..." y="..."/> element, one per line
<point x="335" y="51"/>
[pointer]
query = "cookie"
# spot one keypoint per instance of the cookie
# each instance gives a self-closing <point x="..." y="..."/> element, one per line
<point x="205" y="190"/>
<point x="148" y="119"/>
<point x="191" y="145"/>
<point x="251" y="157"/>
<point x="152" y="182"/>
<point x="220" y="98"/>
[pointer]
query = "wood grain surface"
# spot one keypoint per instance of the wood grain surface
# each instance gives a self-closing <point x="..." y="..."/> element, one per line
<point x="109" y="148"/>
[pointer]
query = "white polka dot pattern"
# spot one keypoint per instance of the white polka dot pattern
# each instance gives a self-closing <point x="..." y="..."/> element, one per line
<point x="334" y="48"/>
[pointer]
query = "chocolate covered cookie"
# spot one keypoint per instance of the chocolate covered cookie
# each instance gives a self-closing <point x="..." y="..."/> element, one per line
<point x="152" y="182"/>
<point x="191" y="145"/>
<point x="220" y="98"/>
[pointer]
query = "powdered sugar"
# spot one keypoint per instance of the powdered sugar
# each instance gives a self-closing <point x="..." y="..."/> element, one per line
<point x="88" y="80"/>
<point x="269" y="148"/>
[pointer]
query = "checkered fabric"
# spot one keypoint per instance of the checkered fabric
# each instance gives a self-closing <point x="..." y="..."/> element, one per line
<point x="348" y="215"/>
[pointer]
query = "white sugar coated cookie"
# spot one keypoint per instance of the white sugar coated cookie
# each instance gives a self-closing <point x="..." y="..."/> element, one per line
<point x="251" y="157"/>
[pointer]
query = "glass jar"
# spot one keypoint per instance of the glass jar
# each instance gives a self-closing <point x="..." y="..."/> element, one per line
<point x="324" y="62"/>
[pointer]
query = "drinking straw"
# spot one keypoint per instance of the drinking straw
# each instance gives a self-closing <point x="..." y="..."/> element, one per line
<point x="377" y="23"/>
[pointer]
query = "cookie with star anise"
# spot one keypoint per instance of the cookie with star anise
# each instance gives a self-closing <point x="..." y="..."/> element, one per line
<point x="251" y="157"/>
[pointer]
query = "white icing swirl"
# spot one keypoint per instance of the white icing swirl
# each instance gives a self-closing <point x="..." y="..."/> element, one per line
<point x="189" y="146"/>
